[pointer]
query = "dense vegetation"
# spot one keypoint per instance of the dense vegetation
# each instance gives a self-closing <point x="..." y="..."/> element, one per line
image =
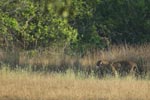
<point x="79" y="24"/>
<point x="49" y="49"/>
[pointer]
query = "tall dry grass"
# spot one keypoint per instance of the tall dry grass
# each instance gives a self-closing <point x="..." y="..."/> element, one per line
<point x="23" y="77"/>
<point x="56" y="60"/>
<point x="38" y="86"/>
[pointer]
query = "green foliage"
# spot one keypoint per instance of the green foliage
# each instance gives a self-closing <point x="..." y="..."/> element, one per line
<point x="33" y="24"/>
<point x="119" y="20"/>
<point x="77" y="23"/>
<point x="125" y="19"/>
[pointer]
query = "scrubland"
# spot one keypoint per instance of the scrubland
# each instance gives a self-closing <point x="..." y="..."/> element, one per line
<point x="49" y="74"/>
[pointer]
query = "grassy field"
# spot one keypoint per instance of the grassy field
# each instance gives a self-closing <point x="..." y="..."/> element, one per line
<point x="52" y="75"/>
<point x="37" y="86"/>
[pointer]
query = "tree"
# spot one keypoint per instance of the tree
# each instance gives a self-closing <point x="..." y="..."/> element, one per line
<point x="32" y="24"/>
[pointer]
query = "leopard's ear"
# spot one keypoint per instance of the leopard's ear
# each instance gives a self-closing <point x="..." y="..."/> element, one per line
<point x="99" y="63"/>
<point x="134" y="68"/>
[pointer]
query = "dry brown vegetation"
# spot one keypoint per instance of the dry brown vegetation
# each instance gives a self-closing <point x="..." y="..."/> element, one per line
<point x="27" y="86"/>
<point x="36" y="75"/>
<point x="56" y="60"/>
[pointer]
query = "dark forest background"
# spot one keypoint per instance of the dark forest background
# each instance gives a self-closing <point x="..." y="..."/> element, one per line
<point x="73" y="24"/>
